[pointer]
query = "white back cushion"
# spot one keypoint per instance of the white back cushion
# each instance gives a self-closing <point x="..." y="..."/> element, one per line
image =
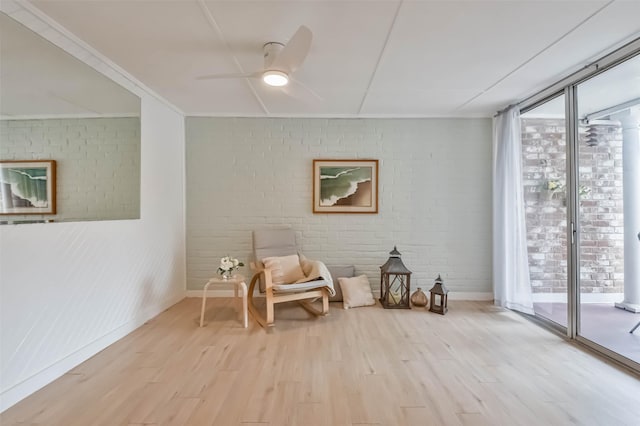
<point x="284" y="269"/>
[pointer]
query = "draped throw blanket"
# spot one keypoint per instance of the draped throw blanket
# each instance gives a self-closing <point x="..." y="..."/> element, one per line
<point x="314" y="270"/>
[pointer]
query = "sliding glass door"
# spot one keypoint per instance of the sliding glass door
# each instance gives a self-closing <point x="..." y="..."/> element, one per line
<point x="608" y="207"/>
<point x="581" y="177"/>
<point x="544" y="166"/>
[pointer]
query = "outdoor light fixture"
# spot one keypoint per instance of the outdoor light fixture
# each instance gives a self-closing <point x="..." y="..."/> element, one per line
<point x="598" y="131"/>
<point x="275" y="78"/>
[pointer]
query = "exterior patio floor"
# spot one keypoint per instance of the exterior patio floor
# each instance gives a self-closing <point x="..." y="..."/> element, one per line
<point x="601" y="323"/>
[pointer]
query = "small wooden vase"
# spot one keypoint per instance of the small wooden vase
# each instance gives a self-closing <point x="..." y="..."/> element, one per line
<point x="419" y="298"/>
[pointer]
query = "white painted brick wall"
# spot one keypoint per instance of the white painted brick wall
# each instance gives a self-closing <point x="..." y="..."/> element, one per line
<point x="98" y="164"/>
<point x="435" y="194"/>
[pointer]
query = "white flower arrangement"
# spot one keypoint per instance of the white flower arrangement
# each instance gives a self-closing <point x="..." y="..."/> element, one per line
<point x="228" y="264"/>
<point x="584" y="190"/>
<point x="555" y="186"/>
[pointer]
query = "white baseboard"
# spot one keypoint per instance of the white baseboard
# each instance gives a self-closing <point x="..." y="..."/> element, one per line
<point x="453" y="295"/>
<point x="471" y="295"/>
<point x="211" y="293"/>
<point x="28" y="386"/>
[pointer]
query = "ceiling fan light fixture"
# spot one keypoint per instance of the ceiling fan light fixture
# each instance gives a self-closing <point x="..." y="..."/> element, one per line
<point x="275" y="78"/>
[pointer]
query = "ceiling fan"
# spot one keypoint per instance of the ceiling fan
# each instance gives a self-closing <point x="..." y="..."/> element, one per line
<point x="280" y="60"/>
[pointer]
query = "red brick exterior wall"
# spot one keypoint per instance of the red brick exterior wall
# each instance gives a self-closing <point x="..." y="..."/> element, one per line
<point x="601" y="210"/>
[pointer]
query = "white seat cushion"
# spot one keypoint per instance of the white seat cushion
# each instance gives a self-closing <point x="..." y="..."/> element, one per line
<point x="299" y="287"/>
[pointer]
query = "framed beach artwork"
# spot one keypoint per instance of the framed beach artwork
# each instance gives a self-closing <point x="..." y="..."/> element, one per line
<point x="345" y="186"/>
<point x="28" y="187"/>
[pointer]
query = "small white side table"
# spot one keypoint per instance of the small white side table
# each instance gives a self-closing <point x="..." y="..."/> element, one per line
<point x="239" y="286"/>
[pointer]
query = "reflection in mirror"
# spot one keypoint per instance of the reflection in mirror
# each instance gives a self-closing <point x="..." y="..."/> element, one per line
<point x="55" y="107"/>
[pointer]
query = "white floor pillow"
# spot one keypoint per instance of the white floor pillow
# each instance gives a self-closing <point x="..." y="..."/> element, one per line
<point x="356" y="292"/>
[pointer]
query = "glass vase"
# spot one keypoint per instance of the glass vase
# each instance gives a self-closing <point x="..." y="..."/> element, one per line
<point x="418" y="298"/>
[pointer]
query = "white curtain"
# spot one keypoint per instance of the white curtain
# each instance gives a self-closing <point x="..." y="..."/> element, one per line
<point x="511" y="286"/>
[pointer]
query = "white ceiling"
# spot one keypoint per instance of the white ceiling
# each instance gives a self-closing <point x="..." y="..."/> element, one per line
<point x="368" y="58"/>
<point x="39" y="79"/>
<point x="618" y="85"/>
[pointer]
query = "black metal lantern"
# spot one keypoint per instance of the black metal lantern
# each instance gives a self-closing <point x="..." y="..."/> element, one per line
<point x="395" y="283"/>
<point x="439" y="296"/>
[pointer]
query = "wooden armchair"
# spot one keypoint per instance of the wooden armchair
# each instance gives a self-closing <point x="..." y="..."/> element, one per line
<point x="275" y="243"/>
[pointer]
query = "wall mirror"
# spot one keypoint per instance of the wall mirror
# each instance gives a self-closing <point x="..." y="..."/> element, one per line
<point x="56" y="110"/>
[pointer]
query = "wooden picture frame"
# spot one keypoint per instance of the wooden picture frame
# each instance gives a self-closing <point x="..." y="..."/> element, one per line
<point x="27" y="187"/>
<point x="345" y="186"/>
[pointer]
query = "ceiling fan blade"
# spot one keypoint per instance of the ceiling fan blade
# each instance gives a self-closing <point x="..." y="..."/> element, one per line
<point x="230" y="75"/>
<point x="294" y="52"/>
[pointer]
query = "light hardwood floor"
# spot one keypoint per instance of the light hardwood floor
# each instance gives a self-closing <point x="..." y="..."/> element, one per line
<point x="478" y="365"/>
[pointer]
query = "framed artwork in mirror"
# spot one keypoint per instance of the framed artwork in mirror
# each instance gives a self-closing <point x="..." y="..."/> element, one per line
<point x="69" y="111"/>
<point x="28" y="187"/>
<point x="345" y="186"/>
